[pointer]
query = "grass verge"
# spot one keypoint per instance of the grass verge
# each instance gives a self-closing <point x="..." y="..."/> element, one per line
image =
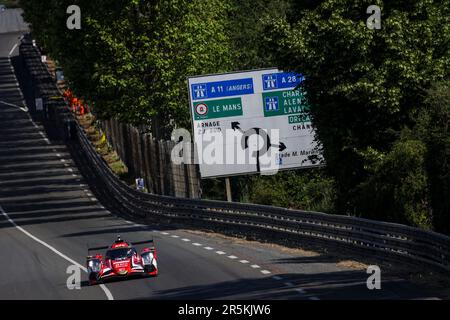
<point x="100" y="143"/>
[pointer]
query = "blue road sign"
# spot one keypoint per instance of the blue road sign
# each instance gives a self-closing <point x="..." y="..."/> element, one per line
<point x="281" y="80"/>
<point x="271" y="104"/>
<point x="140" y="184"/>
<point x="220" y="89"/>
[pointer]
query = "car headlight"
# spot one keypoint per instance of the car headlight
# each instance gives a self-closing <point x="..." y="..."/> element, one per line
<point x="94" y="265"/>
<point x="147" y="258"/>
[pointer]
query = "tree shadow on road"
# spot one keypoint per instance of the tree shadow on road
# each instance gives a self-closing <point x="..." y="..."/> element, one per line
<point x="331" y="285"/>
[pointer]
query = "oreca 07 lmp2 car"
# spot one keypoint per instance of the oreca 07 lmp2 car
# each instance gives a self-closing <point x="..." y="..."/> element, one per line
<point x="121" y="260"/>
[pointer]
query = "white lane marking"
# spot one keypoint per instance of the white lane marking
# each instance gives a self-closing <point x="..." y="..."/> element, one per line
<point x="58" y="155"/>
<point x="62" y="160"/>
<point x="86" y="190"/>
<point x="62" y="255"/>
<point x="12" y="50"/>
<point x="43" y="136"/>
<point x="300" y="290"/>
<point x="89" y="194"/>
<point x="129" y="222"/>
<point x="93" y="199"/>
<point x="74" y="175"/>
<point x="24" y="109"/>
<point x="66" y="164"/>
<point x="165" y="233"/>
<point x="277" y="278"/>
<point x="70" y="169"/>
<point x="254" y="266"/>
<point x="313" y="298"/>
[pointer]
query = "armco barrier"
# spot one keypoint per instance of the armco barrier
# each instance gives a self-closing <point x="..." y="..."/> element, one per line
<point x="370" y="238"/>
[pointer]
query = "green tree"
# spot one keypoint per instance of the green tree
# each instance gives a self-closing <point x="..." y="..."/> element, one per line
<point x="433" y="129"/>
<point x="311" y="189"/>
<point x="365" y="85"/>
<point x="246" y="27"/>
<point x="397" y="185"/>
<point x="131" y="57"/>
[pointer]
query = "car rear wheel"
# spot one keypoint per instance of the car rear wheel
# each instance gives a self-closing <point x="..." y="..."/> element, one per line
<point x="94" y="278"/>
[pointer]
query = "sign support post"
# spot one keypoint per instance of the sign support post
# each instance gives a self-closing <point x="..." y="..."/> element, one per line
<point x="228" y="187"/>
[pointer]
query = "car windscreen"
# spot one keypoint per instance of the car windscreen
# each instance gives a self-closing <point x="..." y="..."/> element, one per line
<point x="118" y="254"/>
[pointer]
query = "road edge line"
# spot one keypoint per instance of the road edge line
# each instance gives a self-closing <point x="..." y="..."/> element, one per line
<point x="62" y="255"/>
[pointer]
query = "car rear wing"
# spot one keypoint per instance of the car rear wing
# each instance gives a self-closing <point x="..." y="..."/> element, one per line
<point x="151" y="246"/>
<point x="89" y="256"/>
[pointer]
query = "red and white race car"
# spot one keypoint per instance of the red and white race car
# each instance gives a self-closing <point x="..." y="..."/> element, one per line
<point x="121" y="260"/>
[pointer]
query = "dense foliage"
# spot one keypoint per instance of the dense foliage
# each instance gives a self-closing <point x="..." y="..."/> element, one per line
<point x="367" y="88"/>
<point x="10" y="3"/>
<point x="131" y="58"/>
<point x="380" y="98"/>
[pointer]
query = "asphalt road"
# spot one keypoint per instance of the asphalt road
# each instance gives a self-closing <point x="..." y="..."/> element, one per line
<point x="11" y="21"/>
<point x="48" y="215"/>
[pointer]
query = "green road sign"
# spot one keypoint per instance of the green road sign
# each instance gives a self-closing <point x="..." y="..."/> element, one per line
<point x="212" y="109"/>
<point x="299" y="118"/>
<point x="284" y="102"/>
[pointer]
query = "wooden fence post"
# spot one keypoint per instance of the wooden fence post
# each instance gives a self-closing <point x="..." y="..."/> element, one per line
<point x="150" y="158"/>
<point x="146" y="162"/>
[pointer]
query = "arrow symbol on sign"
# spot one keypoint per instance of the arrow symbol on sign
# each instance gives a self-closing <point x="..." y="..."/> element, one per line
<point x="235" y="125"/>
<point x="281" y="146"/>
<point x="258" y="131"/>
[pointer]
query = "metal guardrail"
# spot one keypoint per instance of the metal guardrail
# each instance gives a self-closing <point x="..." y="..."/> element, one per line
<point x="367" y="237"/>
